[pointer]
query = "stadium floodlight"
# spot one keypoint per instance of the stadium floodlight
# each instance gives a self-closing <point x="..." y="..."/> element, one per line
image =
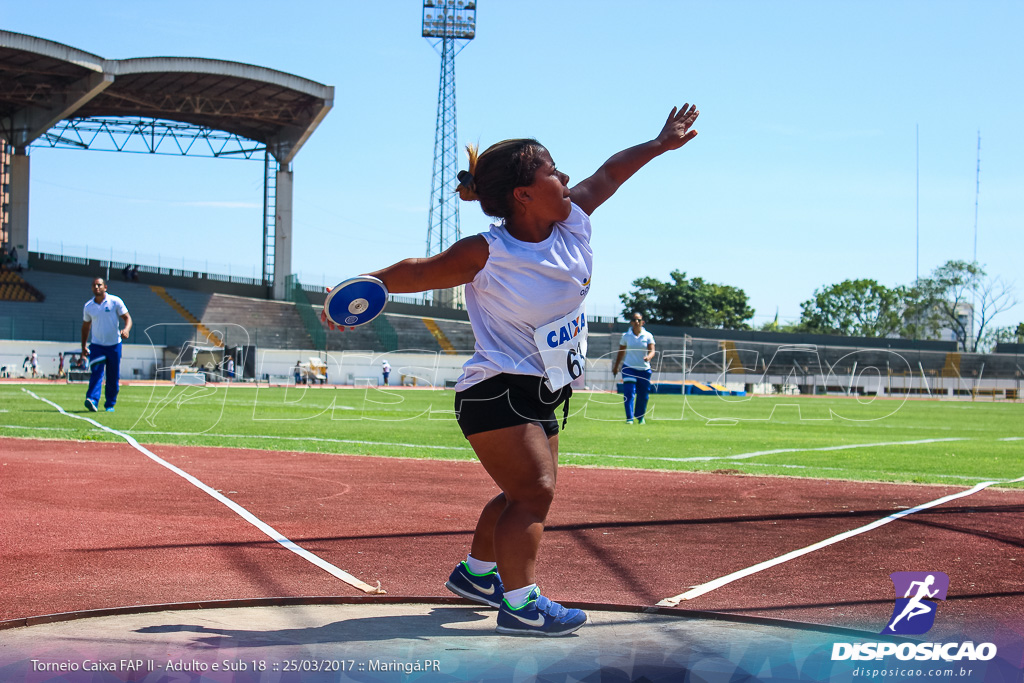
<point x="449" y="25"/>
<point x="452" y="19"/>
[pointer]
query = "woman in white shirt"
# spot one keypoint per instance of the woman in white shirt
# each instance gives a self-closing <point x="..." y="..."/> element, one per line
<point x="636" y="350"/>
<point x="525" y="279"/>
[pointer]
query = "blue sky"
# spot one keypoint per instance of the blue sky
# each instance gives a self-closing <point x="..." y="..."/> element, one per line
<point x="803" y="174"/>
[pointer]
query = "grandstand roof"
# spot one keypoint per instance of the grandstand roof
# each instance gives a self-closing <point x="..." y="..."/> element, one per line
<point x="43" y="82"/>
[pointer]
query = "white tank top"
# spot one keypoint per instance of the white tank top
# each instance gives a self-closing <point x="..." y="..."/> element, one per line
<point x="524" y="286"/>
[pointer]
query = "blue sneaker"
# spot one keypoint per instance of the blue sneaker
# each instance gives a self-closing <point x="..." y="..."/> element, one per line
<point x="91" y="405"/>
<point x="482" y="588"/>
<point x="539" y="617"/>
<point x="110" y="409"/>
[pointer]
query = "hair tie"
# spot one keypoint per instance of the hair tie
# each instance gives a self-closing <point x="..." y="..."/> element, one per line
<point x="466" y="179"/>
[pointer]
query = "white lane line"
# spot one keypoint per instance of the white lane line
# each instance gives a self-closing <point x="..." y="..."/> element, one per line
<point x="238" y="509"/>
<point x="271" y="437"/>
<point x="697" y="591"/>
<point x="958" y="477"/>
<point x="754" y="454"/>
<point x="316" y="439"/>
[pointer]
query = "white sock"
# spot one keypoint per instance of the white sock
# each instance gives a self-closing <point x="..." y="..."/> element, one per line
<point x="480" y="567"/>
<point x="519" y="596"/>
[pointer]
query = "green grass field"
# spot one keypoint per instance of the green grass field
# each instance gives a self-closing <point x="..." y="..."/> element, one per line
<point x="955" y="442"/>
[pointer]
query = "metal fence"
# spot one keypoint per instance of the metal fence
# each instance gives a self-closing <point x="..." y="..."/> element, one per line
<point x="118" y="266"/>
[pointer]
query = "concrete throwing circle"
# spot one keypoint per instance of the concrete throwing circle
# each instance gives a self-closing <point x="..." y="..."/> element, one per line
<point x="377" y="640"/>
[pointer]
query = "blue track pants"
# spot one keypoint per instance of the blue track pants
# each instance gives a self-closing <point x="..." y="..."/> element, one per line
<point x="636" y="387"/>
<point x="104" y="358"/>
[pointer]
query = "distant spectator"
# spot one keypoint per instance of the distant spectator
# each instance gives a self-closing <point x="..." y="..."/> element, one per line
<point x="34" y="364"/>
<point x="135" y="273"/>
<point x="298" y="372"/>
<point x="60" y="365"/>
<point x="11" y="260"/>
<point x="229" y="367"/>
<point x="126" y="272"/>
<point x="385" y="369"/>
<point x="7" y="260"/>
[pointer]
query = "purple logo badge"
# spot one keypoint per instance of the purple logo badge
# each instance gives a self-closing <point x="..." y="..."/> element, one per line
<point x="914" y="612"/>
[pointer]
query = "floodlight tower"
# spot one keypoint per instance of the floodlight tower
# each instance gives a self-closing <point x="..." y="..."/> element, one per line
<point x="450" y="25"/>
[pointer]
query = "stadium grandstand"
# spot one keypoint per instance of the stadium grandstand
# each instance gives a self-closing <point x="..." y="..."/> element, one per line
<point x="174" y="309"/>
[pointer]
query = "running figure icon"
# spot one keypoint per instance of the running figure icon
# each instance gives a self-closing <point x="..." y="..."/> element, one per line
<point x="915" y="607"/>
<point x="925" y="587"/>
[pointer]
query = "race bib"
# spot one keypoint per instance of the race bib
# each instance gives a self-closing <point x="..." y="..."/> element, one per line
<point x="563" y="348"/>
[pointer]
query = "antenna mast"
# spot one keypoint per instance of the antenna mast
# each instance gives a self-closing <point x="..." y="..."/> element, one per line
<point x="977" y="191"/>
<point x="917" y="202"/>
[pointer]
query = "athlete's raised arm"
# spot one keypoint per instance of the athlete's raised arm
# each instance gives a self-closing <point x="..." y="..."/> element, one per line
<point x="595" y="190"/>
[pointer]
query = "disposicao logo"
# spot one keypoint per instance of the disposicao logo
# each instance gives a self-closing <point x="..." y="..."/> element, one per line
<point x="914" y="613"/>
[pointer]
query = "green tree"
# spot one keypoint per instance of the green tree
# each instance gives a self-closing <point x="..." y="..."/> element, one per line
<point x="921" y="318"/>
<point x="782" y="327"/>
<point x="1000" y="335"/>
<point x="688" y="303"/>
<point x="776" y="326"/>
<point x="858" y="308"/>
<point x="958" y="296"/>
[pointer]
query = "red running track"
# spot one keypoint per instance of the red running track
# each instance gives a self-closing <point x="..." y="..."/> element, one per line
<point x="96" y="525"/>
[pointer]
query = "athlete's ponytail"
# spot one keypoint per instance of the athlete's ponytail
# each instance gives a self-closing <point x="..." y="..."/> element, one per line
<point x="467" y="181"/>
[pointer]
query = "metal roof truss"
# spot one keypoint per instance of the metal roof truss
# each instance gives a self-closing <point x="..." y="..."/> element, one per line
<point x="148" y="136"/>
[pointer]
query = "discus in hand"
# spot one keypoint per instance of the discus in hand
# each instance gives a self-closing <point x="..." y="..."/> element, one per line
<point x="356" y="301"/>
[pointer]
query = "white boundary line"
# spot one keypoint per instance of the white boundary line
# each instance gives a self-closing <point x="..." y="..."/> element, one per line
<point x="754" y="454"/>
<point x="458" y="448"/>
<point x="314" y="439"/>
<point x="697" y="591"/>
<point x="740" y="456"/>
<point x="235" y="507"/>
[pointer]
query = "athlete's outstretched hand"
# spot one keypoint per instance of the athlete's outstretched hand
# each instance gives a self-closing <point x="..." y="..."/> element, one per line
<point x="677" y="130"/>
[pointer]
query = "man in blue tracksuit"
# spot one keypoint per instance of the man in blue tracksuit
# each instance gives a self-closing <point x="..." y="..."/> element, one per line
<point x="636" y="349"/>
<point x="100" y="323"/>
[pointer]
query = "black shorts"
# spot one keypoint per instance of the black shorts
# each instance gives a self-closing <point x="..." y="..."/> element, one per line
<point x="506" y="401"/>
